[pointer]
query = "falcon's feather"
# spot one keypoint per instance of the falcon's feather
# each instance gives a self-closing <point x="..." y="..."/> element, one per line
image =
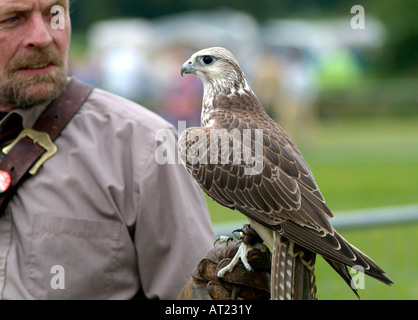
<point x="282" y="201"/>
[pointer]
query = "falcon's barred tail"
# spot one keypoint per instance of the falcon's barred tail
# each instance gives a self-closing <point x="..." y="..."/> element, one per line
<point x="337" y="251"/>
<point x="293" y="275"/>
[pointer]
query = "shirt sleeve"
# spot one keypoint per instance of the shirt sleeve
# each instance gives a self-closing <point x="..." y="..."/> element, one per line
<point x="173" y="231"/>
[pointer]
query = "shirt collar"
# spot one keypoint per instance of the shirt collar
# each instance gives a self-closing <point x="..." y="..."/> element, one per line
<point x="29" y="115"/>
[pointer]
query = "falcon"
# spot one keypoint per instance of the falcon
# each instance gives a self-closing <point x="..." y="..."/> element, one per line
<point x="245" y="161"/>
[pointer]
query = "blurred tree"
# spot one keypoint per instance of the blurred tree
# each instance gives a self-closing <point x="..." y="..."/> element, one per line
<point x="401" y="49"/>
<point x="399" y="17"/>
<point x="84" y="12"/>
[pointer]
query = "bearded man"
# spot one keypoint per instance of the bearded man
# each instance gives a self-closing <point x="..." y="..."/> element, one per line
<point x="86" y="211"/>
<point x="100" y="219"/>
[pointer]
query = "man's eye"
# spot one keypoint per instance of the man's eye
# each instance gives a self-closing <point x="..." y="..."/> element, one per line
<point x="12" y="19"/>
<point x="9" y="22"/>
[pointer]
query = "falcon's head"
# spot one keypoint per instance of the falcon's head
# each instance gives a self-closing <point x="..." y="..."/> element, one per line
<point x="217" y="68"/>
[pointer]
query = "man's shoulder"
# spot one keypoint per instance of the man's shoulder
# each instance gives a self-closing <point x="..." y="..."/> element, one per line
<point x="108" y="104"/>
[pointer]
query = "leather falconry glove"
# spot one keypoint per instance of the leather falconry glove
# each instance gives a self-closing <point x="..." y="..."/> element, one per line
<point x="240" y="283"/>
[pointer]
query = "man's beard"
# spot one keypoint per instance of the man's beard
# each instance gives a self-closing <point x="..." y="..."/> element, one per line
<point x="23" y="91"/>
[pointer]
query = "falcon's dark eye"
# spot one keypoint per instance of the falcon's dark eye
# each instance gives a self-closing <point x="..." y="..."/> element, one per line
<point x="207" y="59"/>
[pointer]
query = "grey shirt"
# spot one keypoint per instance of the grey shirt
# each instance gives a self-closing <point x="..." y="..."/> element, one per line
<point x="102" y="218"/>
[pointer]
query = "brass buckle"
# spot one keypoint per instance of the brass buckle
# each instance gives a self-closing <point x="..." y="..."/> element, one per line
<point x="40" y="138"/>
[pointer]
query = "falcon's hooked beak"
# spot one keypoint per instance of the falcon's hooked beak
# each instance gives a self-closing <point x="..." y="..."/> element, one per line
<point x="188" y="67"/>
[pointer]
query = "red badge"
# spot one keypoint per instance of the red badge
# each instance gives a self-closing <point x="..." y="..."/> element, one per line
<point x="5" y="181"/>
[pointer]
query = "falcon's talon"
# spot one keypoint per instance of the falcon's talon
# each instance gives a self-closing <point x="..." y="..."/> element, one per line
<point x="223" y="239"/>
<point x="238" y="230"/>
<point x="241" y="233"/>
<point x="230" y="239"/>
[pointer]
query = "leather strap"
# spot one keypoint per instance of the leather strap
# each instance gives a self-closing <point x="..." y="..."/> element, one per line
<point x="52" y="121"/>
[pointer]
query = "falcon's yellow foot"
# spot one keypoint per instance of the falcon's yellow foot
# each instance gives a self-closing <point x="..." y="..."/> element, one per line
<point x="242" y="254"/>
<point x="250" y="240"/>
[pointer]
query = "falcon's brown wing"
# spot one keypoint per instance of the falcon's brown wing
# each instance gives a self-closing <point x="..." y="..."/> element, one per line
<point x="284" y="190"/>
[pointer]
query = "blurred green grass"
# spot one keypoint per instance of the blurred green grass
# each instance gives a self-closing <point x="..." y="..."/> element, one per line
<point x="363" y="163"/>
<point x="394" y="248"/>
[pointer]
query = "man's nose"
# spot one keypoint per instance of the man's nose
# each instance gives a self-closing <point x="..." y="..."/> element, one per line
<point x="38" y="33"/>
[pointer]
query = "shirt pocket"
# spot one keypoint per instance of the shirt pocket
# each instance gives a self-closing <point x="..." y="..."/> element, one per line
<point x="72" y="258"/>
